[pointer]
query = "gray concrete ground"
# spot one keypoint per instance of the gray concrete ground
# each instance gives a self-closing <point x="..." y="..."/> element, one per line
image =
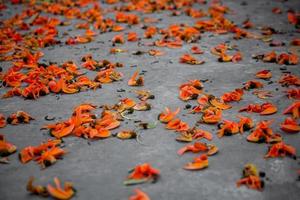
<point x="98" y="168"/>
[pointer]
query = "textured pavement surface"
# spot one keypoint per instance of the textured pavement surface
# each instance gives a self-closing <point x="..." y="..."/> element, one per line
<point x="98" y="168"/>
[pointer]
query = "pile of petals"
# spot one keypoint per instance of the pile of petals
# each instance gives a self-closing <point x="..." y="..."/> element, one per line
<point x="253" y="84"/>
<point x="58" y="192"/>
<point x="187" y="134"/>
<point x="293" y="93"/>
<point x="281" y="59"/>
<point x="289" y="79"/>
<point x="24" y="35"/>
<point x="218" y="103"/>
<point x="19" y="117"/>
<point x="211" y="115"/>
<point x="45" y="154"/>
<point x="202" y="104"/>
<point x="83" y="123"/>
<point x="197" y="147"/>
<point x="193" y="134"/>
<point x="177" y="125"/>
<point x="108" y="75"/>
<point x="188" y="59"/>
<point x="41" y="79"/>
<point x="235" y="95"/>
<point x="281" y="149"/>
<point x="251" y="178"/>
<point x="208" y="103"/>
<point x="6" y="148"/>
<point x="190" y="90"/>
<point x="142" y="173"/>
<point x="245" y="124"/>
<point x="91" y="64"/>
<point x="228" y="128"/>
<point x="221" y="51"/>
<point x="172" y="123"/>
<point x="262" y="109"/>
<point x="263" y="133"/>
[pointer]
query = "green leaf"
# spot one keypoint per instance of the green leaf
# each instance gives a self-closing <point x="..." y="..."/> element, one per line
<point x="135" y="181"/>
<point x="151" y="125"/>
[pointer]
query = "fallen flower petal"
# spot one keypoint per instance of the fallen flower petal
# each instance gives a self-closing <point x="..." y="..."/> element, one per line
<point x="263" y="109"/>
<point x="67" y="192"/>
<point x="125" y="104"/>
<point x="277" y="10"/>
<point x="228" y="128"/>
<point x="140" y="195"/>
<point x="253" y="85"/>
<point x="126" y="134"/>
<point x="196" y="50"/>
<point x="245" y="124"/>
<point x="290" y="126"/>
<point x="211" y="115"/>
<point x="49" y="157"/>
<point x="252" y="182"/>
<point x="263" y="133"/>
<point x="153" y="52"/>
<point x="190" y="90"/>
<point x="264" y="74"/>
<point x="195" y="148"/>
<point x="143" y="95"/>
<point x="188" y="59"/>
<point x="142" y="173"/>
<point x="288" y="59"/>
<point x="2" y="121"/>
<point x="251" y="178"/>
<point x="281" y="150"/>
<point x="218" y="103"/>
<point x="268" y="109"/>
<point x="142" y="106"/>
<point x="177" y="125"/>
<point x="262" y="94"/>
<point x="168" y="115"/>
<point x="132" y="37"/>
<point x="235" y="95"/>
<point x="36" y="189"/>
<point x="136" y="81"/>
<point x="295" y="42"/>
<point x="199" y="163"/>
<point x="19" y="117"/>
<point x="199" y="134"/>
<point x="293" y="93"/>
<point x="117" y="50"/>
<point x="33" y="152"/>
<point x="118" y="39"/>
<point x="6" y="148"/>
<point x="293" y="109"/>
<point x="62" y="129"/>
<point x="289" y="79"/>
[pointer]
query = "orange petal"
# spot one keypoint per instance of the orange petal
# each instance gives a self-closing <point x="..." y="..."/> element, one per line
<point x="140" y="195"/>
<point x="59" y="193"/>
<point x="271" y="109"/>
<point x="67" y="130"/>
